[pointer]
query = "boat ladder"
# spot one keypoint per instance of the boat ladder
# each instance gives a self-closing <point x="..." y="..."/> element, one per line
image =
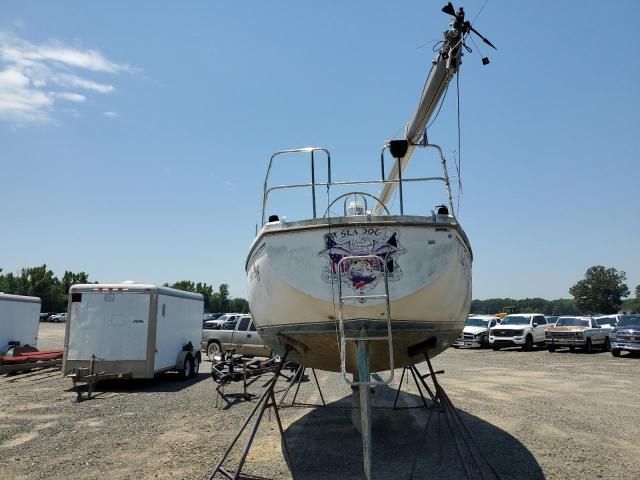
<point x="364" y="337"/>
<point x="363" y="384"/>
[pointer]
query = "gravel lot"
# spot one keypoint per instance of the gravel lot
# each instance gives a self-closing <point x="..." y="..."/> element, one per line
<point x="535" y="414"/>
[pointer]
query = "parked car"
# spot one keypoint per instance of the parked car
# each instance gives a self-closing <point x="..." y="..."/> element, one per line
<point x="230" y="325"/>
<point x="244" y="339"/>
<point x="44" y="317"/>
<point x="520" y="329"/>
<point x="608" y="320"/>
<point x="581" y="332"/>
<point x="210" y="316"/>
<point x="476" y="331"/>
<point x="58" y="318"/>
<point x="626" y="335"/>
<point x="221" y="320"/>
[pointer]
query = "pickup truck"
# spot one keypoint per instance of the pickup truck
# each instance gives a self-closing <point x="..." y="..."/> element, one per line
<point x="626" y="335"/>
<point x="244" y="339"/>
<point x="582" y="332"/>
<point x="519" y="329"/>
<point x="476" y="331"/>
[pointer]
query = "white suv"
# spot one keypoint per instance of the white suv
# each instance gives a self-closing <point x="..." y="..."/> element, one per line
<point x="476" y="331"/>
<point x="519" y="329"/>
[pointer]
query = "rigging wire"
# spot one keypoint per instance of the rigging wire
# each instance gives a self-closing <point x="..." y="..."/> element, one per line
<point x="459" y="161"/>
<point x="439" y="108"/>
<point x="480" y="11"/>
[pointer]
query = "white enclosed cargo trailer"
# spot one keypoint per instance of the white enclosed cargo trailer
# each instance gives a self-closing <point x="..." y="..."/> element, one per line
<point x="19" y="319"/>
<point x="132" y="330"/>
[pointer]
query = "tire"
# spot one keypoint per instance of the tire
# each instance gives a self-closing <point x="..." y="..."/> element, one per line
<point x="195" y="366"/>
<point x="588" y="346"/>
<point x="572" y="348"/>
<point x="528" y="343"/>
<point x="187" y="367"/>
<point x="615" y="352"/>
<point x="484" y="341"/>
<point x="607" y="345"/>
<point x="551" y="348"/>
<point x="213" y="349"/>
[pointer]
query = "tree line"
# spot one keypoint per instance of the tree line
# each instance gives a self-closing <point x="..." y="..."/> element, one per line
<point x="600" y="291"/>
<point x="214" y="302"/>
<point x="53" y="291"/>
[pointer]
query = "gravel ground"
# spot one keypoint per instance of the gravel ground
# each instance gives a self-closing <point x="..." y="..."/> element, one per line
<point x="535" y="415"/>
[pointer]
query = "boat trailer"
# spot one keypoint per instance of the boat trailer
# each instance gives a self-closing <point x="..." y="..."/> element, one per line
<point x="235" y="368"/>
<point x="25" y="358"/>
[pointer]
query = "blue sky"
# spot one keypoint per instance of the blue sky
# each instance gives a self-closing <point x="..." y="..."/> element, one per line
<point x="135" y="136"/>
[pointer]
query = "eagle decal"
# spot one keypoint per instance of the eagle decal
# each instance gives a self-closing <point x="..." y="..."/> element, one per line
<point x="362" y="275"/>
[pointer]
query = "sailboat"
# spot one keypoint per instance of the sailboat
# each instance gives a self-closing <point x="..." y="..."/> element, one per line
<point x="366" y="284"/>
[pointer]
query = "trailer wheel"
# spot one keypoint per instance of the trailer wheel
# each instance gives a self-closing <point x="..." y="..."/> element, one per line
<point x="195" y="367"/>
<point x="187" y="368"/>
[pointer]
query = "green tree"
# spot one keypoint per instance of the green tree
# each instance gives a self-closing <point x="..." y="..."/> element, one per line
<point x="71" y="278"/>
<point x="636" y="302"/>
<point x="36" y="282"/>
<point x="601" y="290"/>
<point x="213" y="302"/>
<point x="239" y="305"/>
<point x="223" y="297"/>
<point x="184" y="285"/>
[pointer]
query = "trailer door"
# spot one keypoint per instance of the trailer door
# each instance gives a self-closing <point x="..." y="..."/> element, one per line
<point x="111" y="326"/>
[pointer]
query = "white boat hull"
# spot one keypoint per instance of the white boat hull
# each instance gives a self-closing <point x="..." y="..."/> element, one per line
<point x="293" y="286"/>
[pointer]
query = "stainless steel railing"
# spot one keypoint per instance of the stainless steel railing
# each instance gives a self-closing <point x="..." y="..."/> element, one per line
<point x="315" y="151"/>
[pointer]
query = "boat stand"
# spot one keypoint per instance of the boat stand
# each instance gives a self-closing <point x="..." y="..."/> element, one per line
<point x="298" y="378"/>
<point x="419" y="379"/>
<point x="475" y="464"/>
<point x="234" y="368"/>
<point x="267" y="400"/>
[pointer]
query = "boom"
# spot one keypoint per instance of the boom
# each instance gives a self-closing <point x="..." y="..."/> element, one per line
<point x="443" y="68"/>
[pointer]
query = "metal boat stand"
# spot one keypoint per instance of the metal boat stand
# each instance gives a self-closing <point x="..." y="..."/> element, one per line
<point x="234" y="368"/>
<point x="297" y="378"/>
<point x="266" y="400"/>
<point x="475" y="464"/>
<point x="419" y="378"/>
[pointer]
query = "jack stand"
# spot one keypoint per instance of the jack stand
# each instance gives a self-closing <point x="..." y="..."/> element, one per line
<point x="297" y="378"/>
<point x="474" y="462"/>
<point x="267" y="400"/>
<point x="419" y="378"/>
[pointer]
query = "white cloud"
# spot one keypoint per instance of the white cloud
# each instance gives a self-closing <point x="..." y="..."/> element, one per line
<point x="70" y="97"/>
<point x="67" y="80"/>
<point x="111" y="114"/>
<point x="30" y="75"/>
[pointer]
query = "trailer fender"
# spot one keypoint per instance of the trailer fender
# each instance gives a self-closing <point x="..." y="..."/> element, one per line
<point x="182" y="356"/>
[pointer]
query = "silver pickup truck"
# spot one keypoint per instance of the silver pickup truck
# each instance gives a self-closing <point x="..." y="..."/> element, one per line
<point x="243" y="339"/>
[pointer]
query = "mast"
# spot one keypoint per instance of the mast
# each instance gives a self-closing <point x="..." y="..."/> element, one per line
<point x="443" y="68"/>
